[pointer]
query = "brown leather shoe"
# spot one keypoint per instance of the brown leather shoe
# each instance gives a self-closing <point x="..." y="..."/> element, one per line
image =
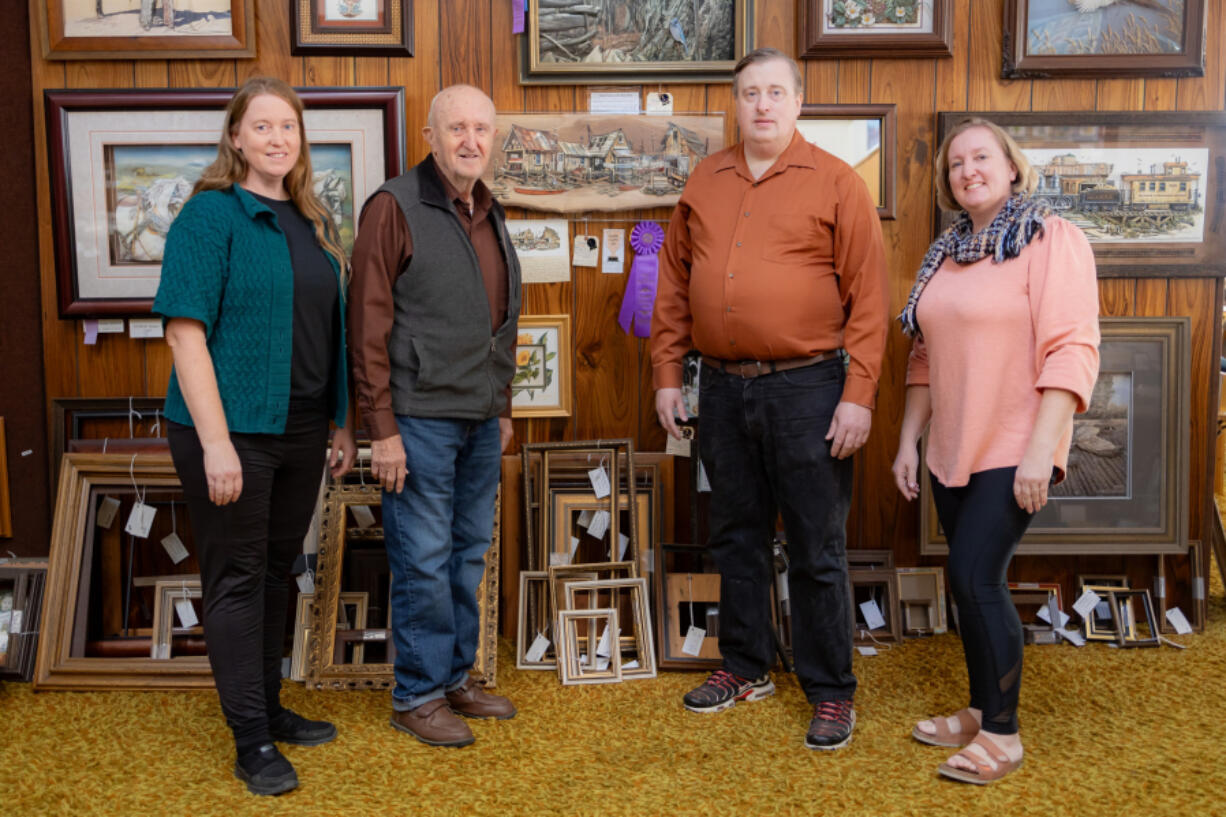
<point x="472" y="701"/>
<point x="434" y="723"/>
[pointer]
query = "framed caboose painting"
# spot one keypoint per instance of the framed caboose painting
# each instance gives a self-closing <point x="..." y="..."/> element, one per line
<point x="1146" y="188"/>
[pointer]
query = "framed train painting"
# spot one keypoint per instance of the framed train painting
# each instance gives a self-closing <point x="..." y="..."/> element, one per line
<point x="1147" y="188"/>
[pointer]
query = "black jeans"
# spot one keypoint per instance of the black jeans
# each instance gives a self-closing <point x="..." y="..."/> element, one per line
<point x="245" y="551"/>
<point x="983" y="525"/>
<point x="762" y="443"/>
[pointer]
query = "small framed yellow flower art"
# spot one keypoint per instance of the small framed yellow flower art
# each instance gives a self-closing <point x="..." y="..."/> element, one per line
<point x="876" y="28"/>
<point x="542" y="383"/>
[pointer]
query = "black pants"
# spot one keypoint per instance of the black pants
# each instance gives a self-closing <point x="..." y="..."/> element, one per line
<point x="245" y="551"/>
<point x="763" y="446"/>
<point x="983" y="524"/>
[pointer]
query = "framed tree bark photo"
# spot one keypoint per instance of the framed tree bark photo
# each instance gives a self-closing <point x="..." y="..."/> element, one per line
<point x="1103" y="38"/>
<point x="875" y="28"/>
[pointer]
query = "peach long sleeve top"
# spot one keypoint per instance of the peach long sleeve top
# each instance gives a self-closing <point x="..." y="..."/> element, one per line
<point x="994" y="336"/>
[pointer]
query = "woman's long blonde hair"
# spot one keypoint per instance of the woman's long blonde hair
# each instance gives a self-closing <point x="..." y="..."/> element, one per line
<point x="231" y="168"/>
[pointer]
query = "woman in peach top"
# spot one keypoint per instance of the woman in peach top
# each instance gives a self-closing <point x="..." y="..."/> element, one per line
<point x="1004" y="313"/>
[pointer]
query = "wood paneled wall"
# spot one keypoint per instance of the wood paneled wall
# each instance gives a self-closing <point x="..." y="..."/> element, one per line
<point x="470" y="41"/>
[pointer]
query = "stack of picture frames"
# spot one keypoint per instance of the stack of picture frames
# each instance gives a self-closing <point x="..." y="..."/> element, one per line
<point x="21" y="597"/>
<point x="342" y="630"/>
<point x="591" y="513"/>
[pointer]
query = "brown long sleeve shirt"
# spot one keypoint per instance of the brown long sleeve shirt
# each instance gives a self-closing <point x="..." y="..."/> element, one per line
<point x="382" y="252"/>
<point x="789" y="265"/>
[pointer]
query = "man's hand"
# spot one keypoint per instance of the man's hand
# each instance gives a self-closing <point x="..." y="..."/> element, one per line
<point x="387" y="463"/>
<point x="849" y="429"/>
<point x="670" y="406"/>
<point x="505" y="432"/>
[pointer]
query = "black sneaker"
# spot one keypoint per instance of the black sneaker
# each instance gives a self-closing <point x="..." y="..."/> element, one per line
<point x="290" y="727"/>
<point x="722" y="689"/>
<point x="831" y="725"/>
<point x="266" y="771"/>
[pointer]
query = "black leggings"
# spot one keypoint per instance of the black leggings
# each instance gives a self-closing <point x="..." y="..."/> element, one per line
<point x="245" y="551"/>
<point x="983" y="524"/>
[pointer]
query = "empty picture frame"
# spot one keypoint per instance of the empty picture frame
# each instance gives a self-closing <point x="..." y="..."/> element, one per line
<point x="533" y="595"/>
<point x="1099" y="625"/>
<point x="1036" y="595"/>
<point x="166" y="593"/>
<point x="921" y="593"/>
<point x="641" y="642"/>
<point x="687" y="594"/>
<point x="869" y="559"/>
<point x="1129" y="630"/>
<point x="578" y="662"/>
<point x="567" y="506"/>
<point x="864" y="136"/>
<point x="880" y="586"/>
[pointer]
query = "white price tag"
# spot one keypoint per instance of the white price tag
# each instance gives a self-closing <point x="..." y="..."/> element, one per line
<point x="363" y="516"/>
<point x="306" y="583"/>
<point x="559" y="559"/>
<point x="1198" y="588"/>
<point x="1072" y="636"/>
<point x="693" y="641"/>
<point x="602" y="648"/>
<point x="633" y="664"/>
<point x="600" y="524"/>
<point x="174" y="547"/>
<point x="704" y="485"/>
<point x="140" y="520"/>
<point x="374" y="635"/>
<point x="186" y="613"/>
<point x="584" y="519"/>
<point x="537" y="650"/>
<point x="574" y="547"/>
<point x="781" y="586"/>
<point x="600" y="481"/>
<point x="18" y="615"/>
<point x="107" y="508"/>
<point x="1045" y="615"/>
<point x="872" y="615"/>
<point x="867" y="650"/>
<point x="623" y="542"/>
<point x="1084" y="605"/>
<point x="1174" y="615"/>
<point x="586" y="252"/>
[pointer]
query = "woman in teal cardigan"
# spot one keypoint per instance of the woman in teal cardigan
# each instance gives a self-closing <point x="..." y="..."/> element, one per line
<point x="252" y="292"/>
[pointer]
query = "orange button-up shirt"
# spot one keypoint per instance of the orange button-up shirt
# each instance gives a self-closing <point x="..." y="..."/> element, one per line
<point x="788" y="265"/>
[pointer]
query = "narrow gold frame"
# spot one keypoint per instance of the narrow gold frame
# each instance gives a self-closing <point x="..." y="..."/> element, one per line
<point x="165" y="594"/>
<point x="524" y="629"/>
<point x="642" y="638"/>
<point x="938" y="615"/>
<point x="569" y="667"/>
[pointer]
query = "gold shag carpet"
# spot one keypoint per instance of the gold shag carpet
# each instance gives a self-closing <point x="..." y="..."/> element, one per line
<point x="1107" y="732"/>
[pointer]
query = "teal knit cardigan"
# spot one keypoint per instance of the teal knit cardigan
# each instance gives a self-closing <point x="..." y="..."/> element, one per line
<point x="227" y="265"/>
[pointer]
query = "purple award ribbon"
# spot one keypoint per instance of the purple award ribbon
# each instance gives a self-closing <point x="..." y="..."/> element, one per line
<point x="517" y="16"/>
<point x="646" y="239"/>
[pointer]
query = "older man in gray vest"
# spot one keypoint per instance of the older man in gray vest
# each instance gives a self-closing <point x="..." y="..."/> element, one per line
<point x="433" y="305"/>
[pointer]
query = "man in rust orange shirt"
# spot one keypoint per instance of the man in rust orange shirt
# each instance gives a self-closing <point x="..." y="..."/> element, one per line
<point x="774" y="270"/>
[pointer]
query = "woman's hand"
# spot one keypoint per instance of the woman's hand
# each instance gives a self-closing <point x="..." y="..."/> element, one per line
<point x="342" y="454"/>
<point x="906" y="471"/>
<point x="224" y="472"/>
<point x="1031" y="481"/>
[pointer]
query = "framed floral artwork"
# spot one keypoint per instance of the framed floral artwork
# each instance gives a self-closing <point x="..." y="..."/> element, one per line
<point x="876" y="28"/>
<point x="541" y="386"/>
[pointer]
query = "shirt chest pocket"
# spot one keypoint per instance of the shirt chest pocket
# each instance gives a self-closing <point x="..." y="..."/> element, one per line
<point x="793" y="239"/>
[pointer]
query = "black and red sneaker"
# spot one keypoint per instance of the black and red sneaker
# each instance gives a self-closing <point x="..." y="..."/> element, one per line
<point x="831" y="725"/>
<point x="722" y="689"/>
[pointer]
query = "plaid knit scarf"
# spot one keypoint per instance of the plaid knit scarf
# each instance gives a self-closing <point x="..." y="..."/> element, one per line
<point x="1019" y="221"/>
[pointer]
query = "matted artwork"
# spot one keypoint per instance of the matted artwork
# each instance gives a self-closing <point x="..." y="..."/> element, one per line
<point x="146" y="29"/>
<point x="364" y="28"/>
<point x="861" y="135"/>
<point x="573" y="162"/>
<point x="1127" y="485"/>
<point x="541" y="386"/>
<point x="634" y="41"/>
<point x="123" y="163"/>
<point x="1144" y="187"/>
<point x="543" y="248"/>
<point x="1104" y="38"/>
<point x="876" y="28"/>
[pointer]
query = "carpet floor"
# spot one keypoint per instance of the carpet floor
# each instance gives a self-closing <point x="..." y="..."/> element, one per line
<point x="1107" y="732"/>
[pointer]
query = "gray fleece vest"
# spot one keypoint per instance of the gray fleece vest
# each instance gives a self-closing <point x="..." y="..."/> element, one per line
<point x="446" y="359"/>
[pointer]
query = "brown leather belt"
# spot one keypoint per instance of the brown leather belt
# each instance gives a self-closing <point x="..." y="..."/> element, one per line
<point x="753" y="368"/>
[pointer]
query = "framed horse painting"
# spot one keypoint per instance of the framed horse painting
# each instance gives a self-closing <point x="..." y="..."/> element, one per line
<point x="122" y="164"/>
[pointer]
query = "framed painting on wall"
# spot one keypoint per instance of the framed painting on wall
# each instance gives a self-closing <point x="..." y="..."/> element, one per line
<point x="864" y="137"/>
<point x="146" y="29"/>
<point x="1145" y="188"/>
<point x="1126" y="489"/>
<point x="122" y="163"/>
<point x="1098" y="38"/>
<point x="577" y="42"/>
<point x="876" y="28"/>
<point x="347" y="28"/>
<point x="541" y="385"/>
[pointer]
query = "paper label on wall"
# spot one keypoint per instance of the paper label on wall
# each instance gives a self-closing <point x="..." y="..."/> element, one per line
<point x="559" y="559"/>
<point x="1084" y="605"/>
<point x="186" y="613"/>
<point x="872" y="615"/>
<point x="600" y="524"/>
<point x="306" y="583"/>
<point x="1073" y="637"/>
<point x="613" y="102"/>
<point x="678" y="448"/>
<point x="613" y="259"/>
<point x="584" y="519"/>
<point x="363" y="516"/>
<point x="145" y="328"/>
<point x="623" y="542"/>
<point x="693" y="641"/>
<point x="867" y="650"/>
<point x="1178" y="620"/>
<point x="600" y="481"/>
<point x="107" y="508"/>
<point x="542" y="247"/>
<point x="174" y="547"/>
<point x="110" y="326"/>
<point x="586" y="252"/>
<point x="659" y="102"/>
<point x="537" y="650"/>
<point x="140" y="520"/>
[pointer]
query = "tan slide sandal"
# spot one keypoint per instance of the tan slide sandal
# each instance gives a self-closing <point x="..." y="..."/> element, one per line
<point x="984" y="773"/>
<point x="946" y="738"/>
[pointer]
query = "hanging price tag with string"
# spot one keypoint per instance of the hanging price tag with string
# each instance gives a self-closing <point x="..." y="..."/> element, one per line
<point x="694" y="635"/>
<point x="175" y="548"/>
<point x="141" y="518"/>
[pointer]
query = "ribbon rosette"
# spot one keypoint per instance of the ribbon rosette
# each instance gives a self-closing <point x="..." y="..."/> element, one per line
<point x="646" y="239"/>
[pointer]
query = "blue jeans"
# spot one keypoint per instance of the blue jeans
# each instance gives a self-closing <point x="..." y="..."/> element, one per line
<point x="436" y="532"/>
<point x="762" y="444"/>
